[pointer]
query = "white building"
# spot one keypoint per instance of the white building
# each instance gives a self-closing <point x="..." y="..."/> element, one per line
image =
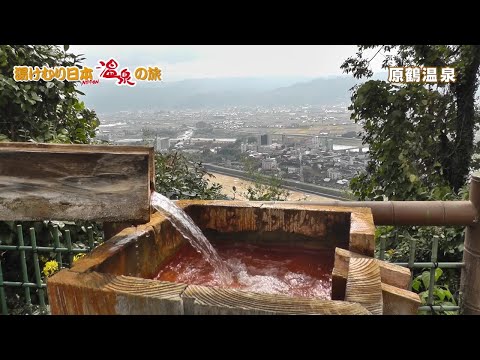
<point x="162" y="144"/>
<point x="334" y="174"/>
<point x="329" y="144"/>
<point x="269" y="164"/>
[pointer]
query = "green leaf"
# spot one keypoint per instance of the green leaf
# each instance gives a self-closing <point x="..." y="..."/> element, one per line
<point x="448" y="303"/>
<point x="450" y="312"/>
<point x="66" y="47"/>
<point x="426" y="279"/>
<point x="11" y="225"/>
<point x="36" y="97"/>
<point x="79" y="105"/>
<point x="6" y="238"/>
<point x="416" y="284"/>
<point x="438" y="273"/>
<point x="448" y="294"/>
<point x="439" y="293"/>
<point x="50" y="84"/>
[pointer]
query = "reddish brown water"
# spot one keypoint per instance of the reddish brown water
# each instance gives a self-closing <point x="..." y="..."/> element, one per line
<point x="274" y="269"/>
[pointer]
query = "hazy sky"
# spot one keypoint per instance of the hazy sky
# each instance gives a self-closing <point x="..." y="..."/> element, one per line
<point x="179" y="62"/>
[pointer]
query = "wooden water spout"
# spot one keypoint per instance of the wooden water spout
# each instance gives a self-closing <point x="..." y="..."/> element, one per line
<point x="75" y="182"/>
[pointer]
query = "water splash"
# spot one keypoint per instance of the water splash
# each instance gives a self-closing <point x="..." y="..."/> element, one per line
<point x="185" y="225"/>
<point x="272" y="269"/>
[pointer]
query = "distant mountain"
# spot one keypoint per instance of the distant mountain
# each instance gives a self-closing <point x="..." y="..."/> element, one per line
<point x="319" y="92"/>
<point x="200" y="93"/>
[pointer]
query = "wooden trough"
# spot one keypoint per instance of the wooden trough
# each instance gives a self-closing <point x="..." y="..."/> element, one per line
<point x="113" y="184"/>
<point x="116" y="277"/>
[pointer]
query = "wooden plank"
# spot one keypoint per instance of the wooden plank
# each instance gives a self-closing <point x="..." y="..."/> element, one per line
<point x="399" y="301"/>
<point x="390" y="274"/>
<point x="17" y="146"/>
<point x="362" y="233"/>
<point x="364" y="285"/>
<point x="396" y="301"/>
<point x="203" y="300"/>
<point x="75" y="182"/>
<point x="92" y="293"/>
<point x="110" y="229"/>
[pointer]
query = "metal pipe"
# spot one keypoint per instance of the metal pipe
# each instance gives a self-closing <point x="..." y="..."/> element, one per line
<point x="470" y="279"/>
<point x="421" y="213"/>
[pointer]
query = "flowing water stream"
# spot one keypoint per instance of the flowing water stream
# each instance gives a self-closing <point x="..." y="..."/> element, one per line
<point x="185" y="225"/>
<point x="272" y="269"/>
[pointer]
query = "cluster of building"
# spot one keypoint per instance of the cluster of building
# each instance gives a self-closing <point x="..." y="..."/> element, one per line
<point x="303" y="143"/>
<point x="314" y="159"/>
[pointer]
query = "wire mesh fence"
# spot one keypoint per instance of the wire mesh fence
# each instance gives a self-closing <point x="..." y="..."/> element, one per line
<point x="428" y="299"/>
<point x="32" y="282"/>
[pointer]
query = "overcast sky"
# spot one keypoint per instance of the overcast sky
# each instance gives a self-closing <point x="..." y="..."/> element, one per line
<point x="179" y="62"/>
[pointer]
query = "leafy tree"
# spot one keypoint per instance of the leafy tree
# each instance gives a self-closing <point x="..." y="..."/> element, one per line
<point x="266" y="188"/>
<point x="178" y="178"/>
<point x="230" y="151"/>
<point x="42" y="111"/>
<point x="420" y="136"/>
<point x="421" y="139"/>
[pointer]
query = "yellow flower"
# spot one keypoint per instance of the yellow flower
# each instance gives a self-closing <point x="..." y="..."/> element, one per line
<point x="50" y="268"/>
<point x="78" y="256"/>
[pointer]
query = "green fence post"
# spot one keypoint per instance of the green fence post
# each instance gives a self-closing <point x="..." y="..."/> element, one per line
<point x="69" y="247"/>
<point x="411" y="260"/>
<point x="3" y="298"/>
<point x="382" y="247"/>
<point x="90" y="238"/>
<point x="431" y="284"/>
<point x="56" y="243"/>
<point x="23" y="263"/>
<point x="38" y="277"/>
